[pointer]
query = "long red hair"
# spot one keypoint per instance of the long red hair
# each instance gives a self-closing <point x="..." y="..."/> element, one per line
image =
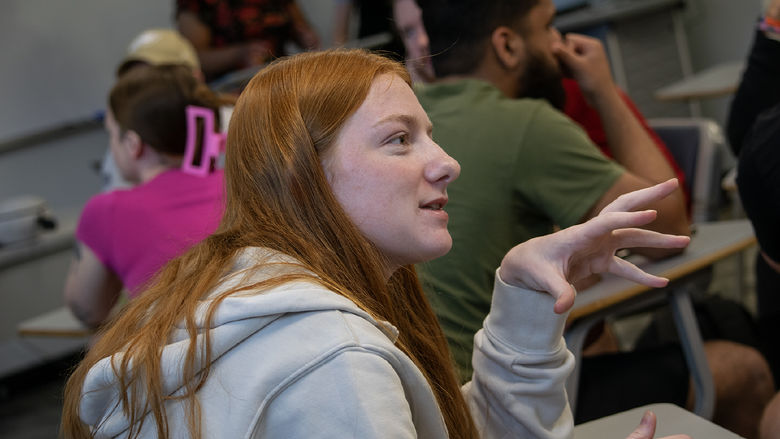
<point x="277" y="197"/>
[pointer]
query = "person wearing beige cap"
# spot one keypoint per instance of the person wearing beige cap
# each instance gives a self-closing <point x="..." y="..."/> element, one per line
<point x="160" y="47"/>
<point x="157" y="47"/>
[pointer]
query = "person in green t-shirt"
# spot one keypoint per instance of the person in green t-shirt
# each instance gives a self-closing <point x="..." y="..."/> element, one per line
<point x="526" y="167"/>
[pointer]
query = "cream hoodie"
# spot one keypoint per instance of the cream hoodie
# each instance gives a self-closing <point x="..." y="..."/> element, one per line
<point x="299" y="361"/>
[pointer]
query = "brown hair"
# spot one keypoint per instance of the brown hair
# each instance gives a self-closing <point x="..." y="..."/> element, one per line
<point x="152" y="101"/>
<point x="287" y="117"/>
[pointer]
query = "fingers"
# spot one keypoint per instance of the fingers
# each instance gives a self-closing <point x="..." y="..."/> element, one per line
<point x="564" y="295"/>
<point x="633" y="200"/>
<point x="518" y="270"/>
<point x="565" y="53"/>
<point x="621" y="267"/>
<point x="646" y="428"/>
<point x="631" y="238"/>
<point x="606" y="223"/>
<point x="583" y="54"/>
<point x="582" y="43"/>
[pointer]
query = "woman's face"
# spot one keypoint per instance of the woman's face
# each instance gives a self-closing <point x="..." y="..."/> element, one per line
<point x="391" y="177"/>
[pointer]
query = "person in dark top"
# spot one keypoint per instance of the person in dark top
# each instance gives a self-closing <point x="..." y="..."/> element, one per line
<point x="754" y="134"/>
<point x="759" y="88"/>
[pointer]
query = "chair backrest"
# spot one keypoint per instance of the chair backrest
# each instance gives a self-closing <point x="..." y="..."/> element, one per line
<point x="696" y="144"/>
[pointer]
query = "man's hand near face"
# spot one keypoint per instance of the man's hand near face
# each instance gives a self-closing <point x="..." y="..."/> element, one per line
<point x="586" y="61"/>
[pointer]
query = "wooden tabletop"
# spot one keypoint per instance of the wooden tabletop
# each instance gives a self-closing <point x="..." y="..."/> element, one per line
<point x="710" y="243"/>
<point x="56" y="323"/>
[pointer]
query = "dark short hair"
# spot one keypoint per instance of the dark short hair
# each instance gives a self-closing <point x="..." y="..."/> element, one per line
<point x="459" y="30"/>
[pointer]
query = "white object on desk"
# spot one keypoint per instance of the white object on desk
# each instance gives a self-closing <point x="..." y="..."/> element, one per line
<point x="46" y="243"/>
<point x="718" y="80"/>
<point x="22" y="218"/>
<point x="671" y="420"/>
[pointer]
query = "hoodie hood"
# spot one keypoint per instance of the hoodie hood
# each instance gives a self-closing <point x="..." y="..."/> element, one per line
<point x="236" y="318"/>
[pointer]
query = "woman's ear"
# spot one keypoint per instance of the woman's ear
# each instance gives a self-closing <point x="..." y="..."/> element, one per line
<point x="133" y="144"/>
<point x="508" y="46"/>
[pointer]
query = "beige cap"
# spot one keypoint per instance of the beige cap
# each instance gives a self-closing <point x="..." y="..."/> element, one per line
<point x="160" y="47"/>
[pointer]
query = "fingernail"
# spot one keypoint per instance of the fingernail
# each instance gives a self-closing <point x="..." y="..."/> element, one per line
<point x="645" y="419"/>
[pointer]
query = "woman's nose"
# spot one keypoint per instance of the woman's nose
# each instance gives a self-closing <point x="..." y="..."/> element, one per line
<point x="442" y="168"/>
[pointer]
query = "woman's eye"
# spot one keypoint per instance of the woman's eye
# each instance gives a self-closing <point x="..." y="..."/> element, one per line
<point x="402" y="139"/>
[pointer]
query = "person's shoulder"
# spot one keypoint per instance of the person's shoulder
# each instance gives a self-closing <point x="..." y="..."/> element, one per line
<point x="536" y="110"/>
<point x="548" y="120"/>
<point x="301" y="313"/>
<point x="341" y="329"/>
<point x="476" y="95"/>
<point x="541" y="109"/>
<point x="456" y="89"/>
<point x="104" y="202"/>
<point x="302" y="337"/>
<point x="172" y="184"/>
<point x="98" y="215"/>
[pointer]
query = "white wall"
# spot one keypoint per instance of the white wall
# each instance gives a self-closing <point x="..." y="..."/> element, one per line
<point x="57" y="66"/>
<point x="719" y="31"/>
<point x="58" y="57"/>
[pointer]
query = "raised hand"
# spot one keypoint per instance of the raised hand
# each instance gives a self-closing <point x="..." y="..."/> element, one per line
<point x="553" y="262"/>
<point x="585" y="59"/>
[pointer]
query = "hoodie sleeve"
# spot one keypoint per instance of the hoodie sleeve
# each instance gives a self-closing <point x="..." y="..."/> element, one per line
<point x="355" y="394"/>
<point x="520" y="368"/>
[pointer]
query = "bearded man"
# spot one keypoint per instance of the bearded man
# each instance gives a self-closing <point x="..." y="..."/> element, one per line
<point x="527" y="168"/>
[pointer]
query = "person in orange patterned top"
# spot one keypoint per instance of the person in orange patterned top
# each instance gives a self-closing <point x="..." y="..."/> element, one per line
<point x="234" y="34"/>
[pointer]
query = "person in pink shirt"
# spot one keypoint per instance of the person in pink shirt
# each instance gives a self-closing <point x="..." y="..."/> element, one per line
<point x="162" y="125"/>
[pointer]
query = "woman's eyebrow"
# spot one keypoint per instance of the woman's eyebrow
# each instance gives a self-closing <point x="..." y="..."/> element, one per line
<point x="405" y="119"/>
<point x="396" y="117"/>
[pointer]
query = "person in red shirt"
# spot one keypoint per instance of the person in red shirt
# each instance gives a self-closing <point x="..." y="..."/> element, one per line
<point x="578" y="109"/>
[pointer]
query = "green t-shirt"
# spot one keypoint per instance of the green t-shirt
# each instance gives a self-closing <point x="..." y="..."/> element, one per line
<point x="524" y="168"/>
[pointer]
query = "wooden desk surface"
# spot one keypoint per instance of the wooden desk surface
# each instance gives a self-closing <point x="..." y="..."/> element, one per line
<point x="671" y="420"/>
<point x="715" y="81"/>
<point x="56" y="323"/>
<point x="710" y="243"/>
